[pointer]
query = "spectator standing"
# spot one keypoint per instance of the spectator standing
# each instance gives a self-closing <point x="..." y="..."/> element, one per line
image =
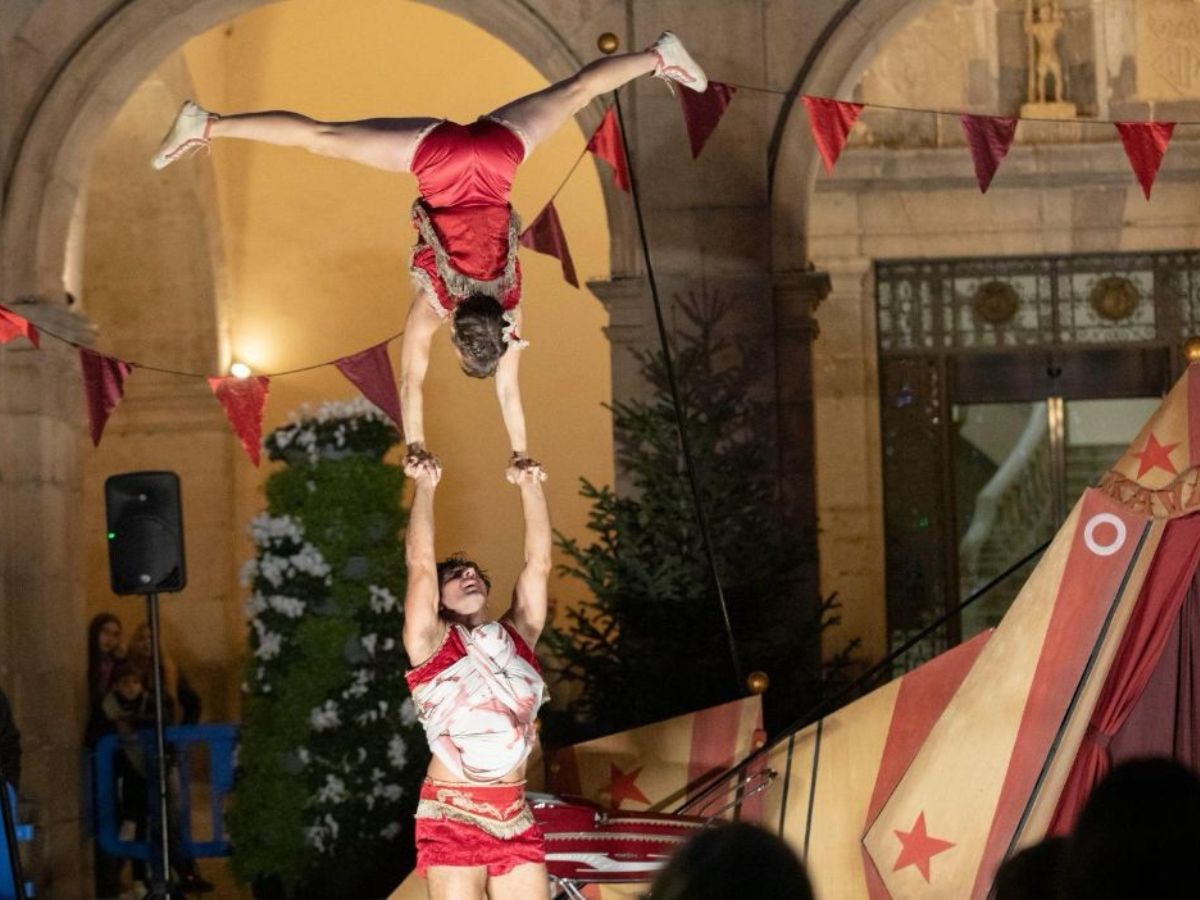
<point x="1138" y="835"/>
<point x="106" y="653"/>
<point x="181" y="705"/>
<point x="733" y="861"/>
<point x="10" y="743"/>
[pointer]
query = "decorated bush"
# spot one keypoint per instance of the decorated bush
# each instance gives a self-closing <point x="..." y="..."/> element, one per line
<point x="331" y="754"/>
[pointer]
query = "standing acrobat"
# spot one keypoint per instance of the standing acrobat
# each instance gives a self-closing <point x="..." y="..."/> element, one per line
<point x="477" y="687"/>
<point x="464" y="265"/>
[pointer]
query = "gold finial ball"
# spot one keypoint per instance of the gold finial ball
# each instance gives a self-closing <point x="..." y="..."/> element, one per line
<point x="1191" y="349"/>
<point x="608" y="42"/>
<point x="758" y="682"/>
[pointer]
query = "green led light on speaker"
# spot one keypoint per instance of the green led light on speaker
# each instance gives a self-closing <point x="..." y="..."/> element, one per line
<point x="112" y="535"/>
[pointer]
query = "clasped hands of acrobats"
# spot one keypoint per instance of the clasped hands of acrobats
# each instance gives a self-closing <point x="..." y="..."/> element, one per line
<point x="477" y="686"/>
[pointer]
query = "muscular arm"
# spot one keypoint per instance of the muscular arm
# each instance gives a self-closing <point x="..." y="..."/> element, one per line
<point x="508" y="392"/>
<point x="528" y="611"/>
<point x="422" y="625"/>
<point x="414" y="362"/>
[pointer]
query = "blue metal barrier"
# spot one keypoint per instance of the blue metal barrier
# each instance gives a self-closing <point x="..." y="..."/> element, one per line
<point x="24" y="835"/>
<point x="221" y="741"/>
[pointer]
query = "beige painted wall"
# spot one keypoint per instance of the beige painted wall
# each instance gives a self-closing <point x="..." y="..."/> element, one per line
<point x="317" y="253"/>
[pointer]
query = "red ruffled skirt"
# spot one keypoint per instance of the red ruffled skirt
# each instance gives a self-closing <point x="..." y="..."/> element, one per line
<point x="476" y="825"/>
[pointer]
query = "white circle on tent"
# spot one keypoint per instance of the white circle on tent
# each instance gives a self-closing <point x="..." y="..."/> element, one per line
<point x="1089" y="534"/>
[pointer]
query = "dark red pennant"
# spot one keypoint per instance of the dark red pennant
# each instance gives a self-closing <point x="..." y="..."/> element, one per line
<point x="371" y="372"/>
<point x="606" y="144"/>
<point x="1145" y="145"/>
<point x="103" y="387"/>
<point x="989" y="138"/>
<point x="702" y="112"/>
<point x="12" y="326"/>
<point x="830" y="121"/>
<point x="546" y="235"/>
<point x="244" y="400"/>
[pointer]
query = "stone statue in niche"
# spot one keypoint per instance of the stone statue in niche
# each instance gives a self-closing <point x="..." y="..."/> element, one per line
<point x="1044" y="22"/>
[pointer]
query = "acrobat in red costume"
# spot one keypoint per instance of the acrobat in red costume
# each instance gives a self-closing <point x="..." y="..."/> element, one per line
<point x="477" y="687"/>
<point x="464" y="265"/>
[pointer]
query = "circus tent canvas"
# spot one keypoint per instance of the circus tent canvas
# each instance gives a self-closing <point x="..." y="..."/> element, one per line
<point x="921" y="788"/>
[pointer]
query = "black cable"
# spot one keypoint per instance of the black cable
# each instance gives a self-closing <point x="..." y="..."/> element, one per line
<point x="685" y="445"/>
<point x="819" y="708"/>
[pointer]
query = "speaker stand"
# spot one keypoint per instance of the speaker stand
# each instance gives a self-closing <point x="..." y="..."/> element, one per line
<point x="162" y="885"/>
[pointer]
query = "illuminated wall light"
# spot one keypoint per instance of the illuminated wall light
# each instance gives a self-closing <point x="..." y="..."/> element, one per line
<point x="239" y="370"/>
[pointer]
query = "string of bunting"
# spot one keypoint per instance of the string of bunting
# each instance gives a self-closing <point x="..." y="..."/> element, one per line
<point x="988" y="139"/>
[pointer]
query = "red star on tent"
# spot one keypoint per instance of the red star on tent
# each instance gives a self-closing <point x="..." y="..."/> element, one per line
<point x="1155" y="455"/>
<point x="917" y="848"/>
<point x="623" y="786"/>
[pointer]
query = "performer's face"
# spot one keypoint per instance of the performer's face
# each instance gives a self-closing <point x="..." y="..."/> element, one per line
<point x="463" y="590"/>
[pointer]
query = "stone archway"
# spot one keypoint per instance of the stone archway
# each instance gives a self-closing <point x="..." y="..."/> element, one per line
<point x="91" y="79"/>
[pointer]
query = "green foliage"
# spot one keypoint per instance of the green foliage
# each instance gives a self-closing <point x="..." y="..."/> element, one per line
<point x="652" y="642"/>
<point x="331" y="755"/>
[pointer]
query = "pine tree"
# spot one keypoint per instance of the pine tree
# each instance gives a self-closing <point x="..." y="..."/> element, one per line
<point x="651" y="642"/>
<point x="330" y="756"/>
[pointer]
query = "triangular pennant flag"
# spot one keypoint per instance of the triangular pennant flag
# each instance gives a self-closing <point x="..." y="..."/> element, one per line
<point x="371" y="372"/>
<point x="12" y="325"/>
<point x="244" y="400"/>
<point x="702" y="111"/>
<point x="606" y="144"/>
<point x="830" y="121"/>
<point x="1145" y="144"/>
<point x="103" y="387"/>
<point x="545" y="235"/>
<point x="989" y="138"/>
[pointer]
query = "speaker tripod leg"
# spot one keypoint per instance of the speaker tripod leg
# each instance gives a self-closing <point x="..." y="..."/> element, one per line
<point x="161" y="885"/>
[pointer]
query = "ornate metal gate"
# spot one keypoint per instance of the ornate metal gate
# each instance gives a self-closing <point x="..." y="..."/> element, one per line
<point x="1008" y="329"/>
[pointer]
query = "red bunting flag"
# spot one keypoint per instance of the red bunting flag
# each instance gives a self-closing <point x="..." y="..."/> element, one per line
<point x="830" y="121"/>
<point x="703" y="111"/>
<point x="12" y="325"/>
<point x="244" y="400"/>
<point x="546" y="235"/>
<point x="1145" y="144"/>
<point x="370" y="371"/>
<point x="989" y="138"/>
<point x="103" y="387"/>
<point x="606" y="144"/>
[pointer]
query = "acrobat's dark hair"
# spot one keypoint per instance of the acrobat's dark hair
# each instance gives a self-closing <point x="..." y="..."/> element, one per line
<point x="479" y="334"/>
<point x="458" y="561"/>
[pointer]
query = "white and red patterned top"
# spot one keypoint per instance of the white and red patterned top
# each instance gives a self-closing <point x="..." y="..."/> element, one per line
<point x="478" y="697"/>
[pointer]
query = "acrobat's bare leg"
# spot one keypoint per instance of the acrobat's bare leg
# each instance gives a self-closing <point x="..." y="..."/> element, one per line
<point x="380" y="143"/>
<point x="539" y="115"/>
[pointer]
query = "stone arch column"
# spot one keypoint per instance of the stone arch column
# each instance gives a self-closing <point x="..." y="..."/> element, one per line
<point x="848" y="39"/>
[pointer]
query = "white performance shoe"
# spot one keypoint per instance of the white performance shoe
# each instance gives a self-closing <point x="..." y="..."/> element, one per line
<point x="676" y="64"/>
<point x="189" y="133"/>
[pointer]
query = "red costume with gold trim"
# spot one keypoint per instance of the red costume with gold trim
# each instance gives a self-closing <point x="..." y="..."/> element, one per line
<point x="477" y="697"/>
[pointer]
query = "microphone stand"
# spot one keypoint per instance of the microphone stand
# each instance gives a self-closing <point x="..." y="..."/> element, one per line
<point x="10" y="838"/>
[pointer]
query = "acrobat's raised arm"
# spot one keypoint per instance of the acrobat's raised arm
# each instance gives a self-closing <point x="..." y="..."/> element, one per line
<point x="422" y="624"/>
<point x="530" y="596"/>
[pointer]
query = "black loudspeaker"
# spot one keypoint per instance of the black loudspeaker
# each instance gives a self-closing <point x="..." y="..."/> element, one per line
<point x="145" y="533"/>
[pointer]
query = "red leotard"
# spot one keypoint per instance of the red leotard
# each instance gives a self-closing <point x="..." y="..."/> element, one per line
<point x="467" y="230"/>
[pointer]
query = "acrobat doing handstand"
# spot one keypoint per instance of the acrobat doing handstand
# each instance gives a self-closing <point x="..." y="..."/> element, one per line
<point x="464" y="265"/>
